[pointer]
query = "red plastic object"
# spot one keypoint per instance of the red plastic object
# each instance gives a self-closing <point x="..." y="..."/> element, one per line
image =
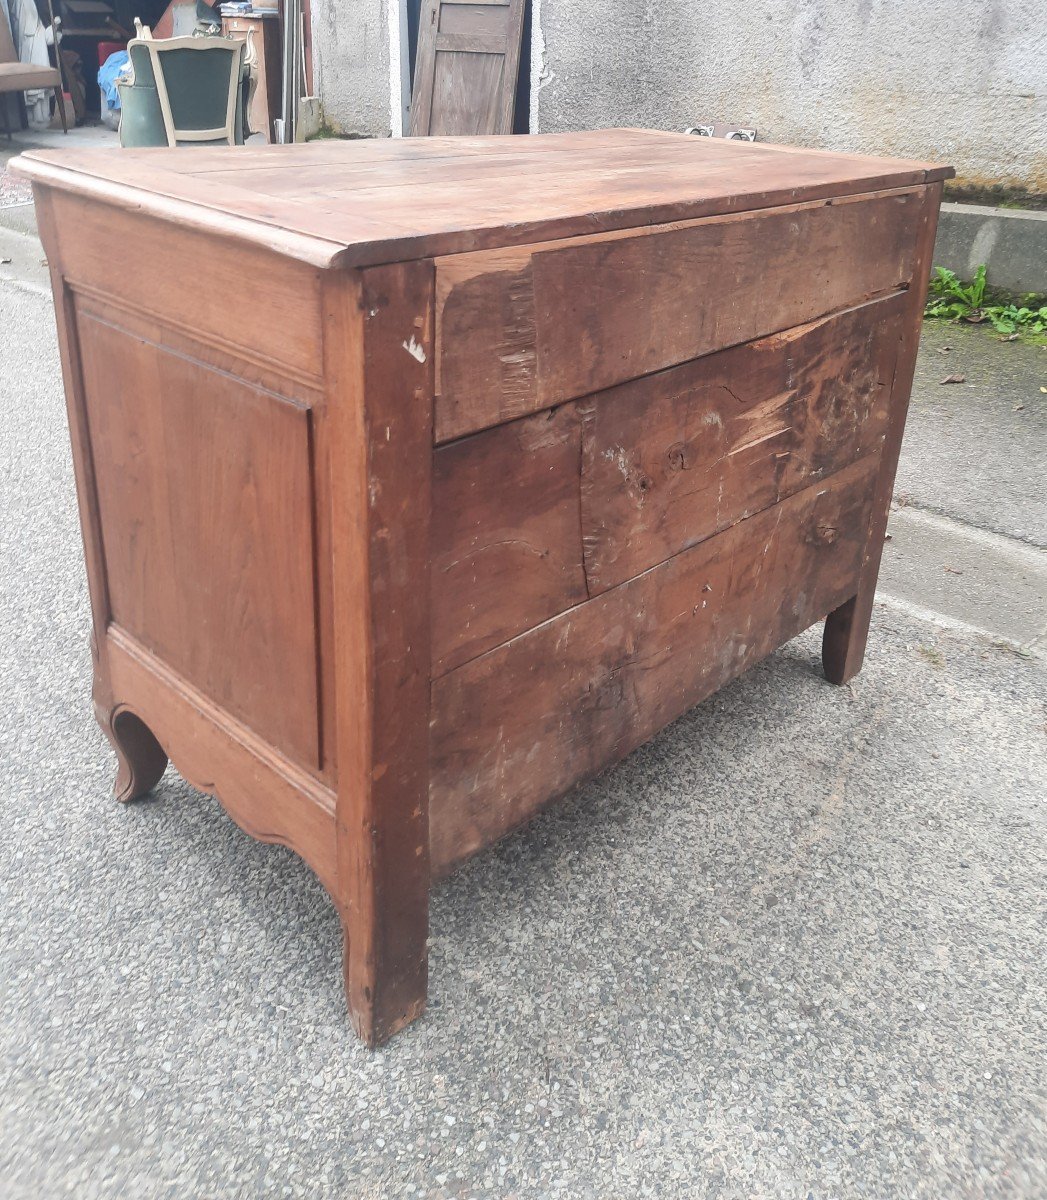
<point x="107" y="48"/>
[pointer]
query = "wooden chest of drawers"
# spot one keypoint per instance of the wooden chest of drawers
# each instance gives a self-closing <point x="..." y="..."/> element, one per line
<point x="420" y="480"/>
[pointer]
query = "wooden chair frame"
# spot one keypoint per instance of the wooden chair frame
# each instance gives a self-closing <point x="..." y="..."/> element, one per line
<point x="58" y="88"/>
<point x="157" y="48"/>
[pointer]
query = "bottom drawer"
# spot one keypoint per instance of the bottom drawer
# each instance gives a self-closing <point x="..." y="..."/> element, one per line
<point x="524" y="722"/>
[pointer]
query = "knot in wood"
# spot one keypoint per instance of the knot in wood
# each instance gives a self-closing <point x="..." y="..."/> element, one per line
<point x="677" y="458"/>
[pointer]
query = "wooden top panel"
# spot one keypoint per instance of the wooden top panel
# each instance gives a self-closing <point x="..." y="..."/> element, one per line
<point x="366" y="202"/>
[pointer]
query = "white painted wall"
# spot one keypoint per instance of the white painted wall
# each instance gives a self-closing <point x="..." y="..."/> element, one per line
<point x="353" y="67"/>
<point x="961" y="81"/>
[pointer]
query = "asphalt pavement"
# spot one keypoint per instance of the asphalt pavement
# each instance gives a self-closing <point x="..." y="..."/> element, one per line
<point x="793" y="947"/>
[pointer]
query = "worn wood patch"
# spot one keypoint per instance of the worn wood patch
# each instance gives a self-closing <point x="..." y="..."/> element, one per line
<point x="520" y="330"/>
<point x="506" y="533"/>
<point x="671" y="459"/>
<point x="526" y="721"/>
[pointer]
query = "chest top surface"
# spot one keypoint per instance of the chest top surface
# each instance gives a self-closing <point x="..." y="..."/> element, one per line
<point x="371" y="201"/>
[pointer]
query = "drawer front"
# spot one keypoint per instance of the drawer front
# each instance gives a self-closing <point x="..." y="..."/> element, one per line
<point x="535" y="516"/>
<point x="671" y="459"/>
<point x="591" y="685"/>
<point x="522" y="330"/>
<point x="506" y="545"/>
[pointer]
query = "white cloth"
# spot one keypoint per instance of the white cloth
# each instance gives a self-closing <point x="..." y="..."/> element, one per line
<point x="32" y="48"/>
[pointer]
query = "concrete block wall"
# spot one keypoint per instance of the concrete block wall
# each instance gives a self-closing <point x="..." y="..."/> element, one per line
<point x="1012" y="245"/>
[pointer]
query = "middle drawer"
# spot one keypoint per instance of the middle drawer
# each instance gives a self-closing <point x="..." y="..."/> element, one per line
<point x="535" y="516"/>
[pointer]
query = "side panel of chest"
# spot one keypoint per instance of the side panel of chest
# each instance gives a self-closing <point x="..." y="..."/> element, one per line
<point x="201" y="473"/>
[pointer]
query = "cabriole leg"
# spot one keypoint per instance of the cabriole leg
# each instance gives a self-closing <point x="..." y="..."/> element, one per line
<point x="140" y="757"/>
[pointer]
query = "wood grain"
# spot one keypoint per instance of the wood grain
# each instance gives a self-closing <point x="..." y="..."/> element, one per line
<point x="389" y="200"/>
<point x="534" y="516"/>
<point x="86" y="477"/>
<point x="206" y="504"/>
<point x="383" y="627"/>
<point x="506" y="534"/>
<point x="239" y="291"/>
<point x="467" y="62"/>
<point x="528" y="720"/>
<point x="847" y="628"/>
<point x="675" y="457"/>
<point x="640" y="303"/>
<point x="266" y="794"/>
<point x="380" y="420"/>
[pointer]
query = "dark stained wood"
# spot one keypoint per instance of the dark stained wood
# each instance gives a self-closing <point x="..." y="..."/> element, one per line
<point x="598" y="681"/>
<point x="673" y="458"/>
<point x="506" y="534"/>
<point x="847" y="628"/>
<point x="383" y="620"/>
<point x="141" y="760"/>
<point x="380" y="395"/>
<point x="387" y="200"/>
<point x="665" y="461"/>
<point x="644" y="301"/>
<point x="467" y="62"/>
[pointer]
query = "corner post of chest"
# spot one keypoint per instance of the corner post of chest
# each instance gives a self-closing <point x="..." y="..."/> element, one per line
<point x="847" y="627"/>
<point x="378" y="423"/>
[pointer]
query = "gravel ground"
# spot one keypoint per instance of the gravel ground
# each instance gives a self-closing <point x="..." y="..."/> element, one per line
<point x="793" y="947"/>
<point x="12" y="191"/>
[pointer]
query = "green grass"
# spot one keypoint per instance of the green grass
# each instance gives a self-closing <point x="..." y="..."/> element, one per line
<point x="976" y="303"/>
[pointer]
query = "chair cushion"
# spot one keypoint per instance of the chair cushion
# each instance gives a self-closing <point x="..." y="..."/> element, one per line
<point x="17" y="77"/>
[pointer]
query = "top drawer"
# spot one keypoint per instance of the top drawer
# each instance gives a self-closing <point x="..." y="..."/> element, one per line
<point x="524" y="329"/>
